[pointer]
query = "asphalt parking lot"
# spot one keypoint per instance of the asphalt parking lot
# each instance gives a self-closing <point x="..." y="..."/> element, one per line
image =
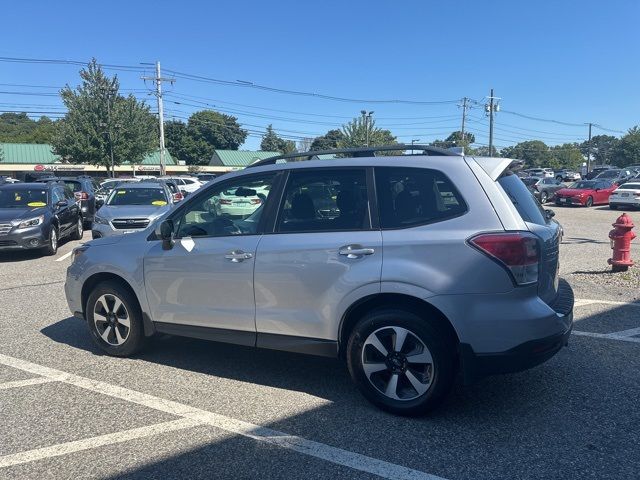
<point x="191" y="409"/>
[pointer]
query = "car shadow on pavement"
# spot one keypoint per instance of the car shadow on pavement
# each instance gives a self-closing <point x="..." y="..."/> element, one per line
<point x="573" y="416"/>
<point x="579" y="240"/>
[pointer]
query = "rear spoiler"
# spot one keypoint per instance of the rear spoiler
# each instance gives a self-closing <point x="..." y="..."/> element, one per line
<point x="495" y="166"/>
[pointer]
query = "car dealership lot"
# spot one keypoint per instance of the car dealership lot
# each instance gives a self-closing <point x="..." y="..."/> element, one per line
<point x="189" y="408"/>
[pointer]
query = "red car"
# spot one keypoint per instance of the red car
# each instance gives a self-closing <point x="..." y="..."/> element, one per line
<point x="586" y="193"/>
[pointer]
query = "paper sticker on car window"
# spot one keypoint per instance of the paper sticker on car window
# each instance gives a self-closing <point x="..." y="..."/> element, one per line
<point x="36" y="204"/>
<point x="121" y="192"/>
<point x="18" y="197"/>
<point x="159" y="203"/>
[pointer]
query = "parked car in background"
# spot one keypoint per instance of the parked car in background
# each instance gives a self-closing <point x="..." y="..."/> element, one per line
<point x="586" y="193"/>
<point x="178" y="195"/>
<point x="37" y="215"/>
<point x="5" y="179"/>
<point x="206" y="177"/>
<point x="625" y="196"/>
<point x="239" y="202"/>
<point x="544" y="189"/>
<point x="306" y="274"/>
<point x="84" y="189"/>
<point x="108" y="185"/>
<point x="617" y="175"/>
<point x="596" y="171"/>
<point x="131" y="207"/>
<point x="187" y="184"/>
<point x="541" y="172"/>
<point x="566" y="175"/>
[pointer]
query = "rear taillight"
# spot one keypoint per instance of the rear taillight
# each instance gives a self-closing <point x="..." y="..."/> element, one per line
<point x="177" y="197"/>
<point x="225" y="202"/>
<point x="636" y="194"/>
<point x="256" y="201"/>
<point x="518" y="252"/>
<point x="81" y="195"/>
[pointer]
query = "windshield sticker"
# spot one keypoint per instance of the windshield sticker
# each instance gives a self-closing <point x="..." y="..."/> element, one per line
<point x="121" y="192"/>
<point x="18" y="197"/>
<point x="159" y="203"/>
<point x="36" y="204"/>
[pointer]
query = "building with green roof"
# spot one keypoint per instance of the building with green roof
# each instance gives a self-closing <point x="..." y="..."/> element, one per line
<point x="238" y="158"/>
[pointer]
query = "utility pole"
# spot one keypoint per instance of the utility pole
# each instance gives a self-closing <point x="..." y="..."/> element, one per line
<point x="109" y="96"/>
<point x="158" y="81"/>
<point x="366" y="121"/>
<point x="490" y="108"/>
<point x="464" y="118"/>
<point x="589" y="150"/>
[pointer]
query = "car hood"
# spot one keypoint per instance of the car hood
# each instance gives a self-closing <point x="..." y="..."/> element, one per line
<point x="573" y="191"/>
<point x="9" y="214"/>
<point x="110" y="212"/>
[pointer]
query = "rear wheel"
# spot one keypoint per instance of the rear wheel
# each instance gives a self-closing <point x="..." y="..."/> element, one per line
<point x="115" y="320"/>
<point x="78" y="231"/>
<point x="544" y="197"/>
<point x="401" y="362"/>
<point x="589" y="202"/>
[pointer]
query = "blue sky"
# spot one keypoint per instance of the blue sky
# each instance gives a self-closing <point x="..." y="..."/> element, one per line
<point x="570" y="61"/>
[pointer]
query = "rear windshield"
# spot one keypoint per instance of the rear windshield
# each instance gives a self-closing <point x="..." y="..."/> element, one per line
<point x="630" y="186"/>
<point x="73" y="185"/>
<point x="609" y="174"/>
<point x="530" y="181"/>
<point x="526" y="204"/>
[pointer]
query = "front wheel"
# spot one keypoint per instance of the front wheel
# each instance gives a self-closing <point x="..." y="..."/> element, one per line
<point x="52" y="244"/>
<point x="401" y="362"/>
<point x="589" y="202"/>
<point x="115" y="320"/>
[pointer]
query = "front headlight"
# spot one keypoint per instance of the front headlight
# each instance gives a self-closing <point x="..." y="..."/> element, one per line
<point x="32" y="222"/>
<point x="100" y="220"/>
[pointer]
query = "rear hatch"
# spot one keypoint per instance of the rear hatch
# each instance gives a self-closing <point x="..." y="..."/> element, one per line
<point x="544" y="227"/>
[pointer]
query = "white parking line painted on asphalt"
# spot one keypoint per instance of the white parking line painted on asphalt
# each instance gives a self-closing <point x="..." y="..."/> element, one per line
<point x="25" y="383"/>
<point x="331" y="454"/>
<point x="94" y="442"/>
<point x="64" y="257"/>
<point x="608" y="336"/>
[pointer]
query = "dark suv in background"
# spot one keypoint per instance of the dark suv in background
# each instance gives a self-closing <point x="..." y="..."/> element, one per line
<point x="84" y="189"/>
<point x="37" y="215"/>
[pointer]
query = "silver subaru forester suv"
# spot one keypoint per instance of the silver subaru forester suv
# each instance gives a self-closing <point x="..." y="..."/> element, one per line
<point x="413" y="268"/>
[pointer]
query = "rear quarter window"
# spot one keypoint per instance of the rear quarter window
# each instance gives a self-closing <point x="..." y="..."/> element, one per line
<point x="526" y="204"/>
<point x="408" y="197"/>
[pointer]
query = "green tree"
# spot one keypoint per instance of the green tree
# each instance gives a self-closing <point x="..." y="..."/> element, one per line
<point x="535" y="153"/>
<point x="602" y="148"/>
<point x="484" y="152"/>
<point x="271" y="142"/>
<point x="328" y="141"/>
<point x="355" y="135"/>
<point x="19" y="128"/>
<point x="210" y="130"/>
<point x="627" y="151"/>
<point x="177" y="139"/>
<point x="567" y="155"/>
<point x="99" y="120"/>
<point x="457" y="140"/>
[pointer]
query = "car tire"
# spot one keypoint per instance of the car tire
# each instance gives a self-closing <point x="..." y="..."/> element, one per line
<point x="114" y="319"/>
<point x="52" y="242"/>
<point x="393" y="382"/>
<point x="544" y="197"/>
<point x="589" y="202"/>
<point x="613" y="207"/>
<point x="78" y="231"/>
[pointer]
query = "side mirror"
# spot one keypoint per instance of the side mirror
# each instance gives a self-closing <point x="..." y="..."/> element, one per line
<point x="61" y="203"/>
<point x="166" y="234"/>
<point x="549" y="213"/>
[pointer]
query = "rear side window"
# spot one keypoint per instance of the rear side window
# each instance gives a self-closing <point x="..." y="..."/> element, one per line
<point x="528" y="207"/>
<point x="416" y="196"/>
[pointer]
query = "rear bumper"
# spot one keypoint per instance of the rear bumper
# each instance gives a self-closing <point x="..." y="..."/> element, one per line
<point x="527" y="354"/>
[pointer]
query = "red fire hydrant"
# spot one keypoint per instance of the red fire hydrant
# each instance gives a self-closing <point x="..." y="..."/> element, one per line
<point x="621" y="237"/>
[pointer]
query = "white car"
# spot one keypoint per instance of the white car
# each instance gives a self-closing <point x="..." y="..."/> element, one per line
<point x="541" y="172"/>
<point x="626" y="195"/>
<point x="234" y="203"/>
<point x="187" y="184"/>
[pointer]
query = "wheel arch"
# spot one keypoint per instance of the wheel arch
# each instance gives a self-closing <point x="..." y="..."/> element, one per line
<point x="401" y="301"/>
<point x="101" y="277"/>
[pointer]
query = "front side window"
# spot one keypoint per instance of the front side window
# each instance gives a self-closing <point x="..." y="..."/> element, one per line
<point x="415" y="196"/>
<point x="325" y="200"/>
<point x="234" y="208"/>
<point x="57" y="195"/>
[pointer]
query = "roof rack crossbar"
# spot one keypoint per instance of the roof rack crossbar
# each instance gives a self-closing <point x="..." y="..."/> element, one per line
<point x="356" y="152"/>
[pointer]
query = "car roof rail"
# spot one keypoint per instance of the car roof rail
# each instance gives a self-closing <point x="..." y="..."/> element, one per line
<point x="357" y="152"/>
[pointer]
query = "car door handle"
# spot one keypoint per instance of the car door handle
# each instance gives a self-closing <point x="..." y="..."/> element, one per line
<point x="355" y="251"/>
<point x="238" y="256"/>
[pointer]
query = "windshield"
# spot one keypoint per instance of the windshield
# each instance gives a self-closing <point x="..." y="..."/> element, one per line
<point x="608" y="174"/>
<point x="583" y="185"/>
<point x="530" y="181"/>
<point x="23" y="198"/>
<point x="138" y="196"/>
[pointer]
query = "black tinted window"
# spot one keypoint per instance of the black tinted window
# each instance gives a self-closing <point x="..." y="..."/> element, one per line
<point x="415" y="196"/>
<point x="325" y="200"/>
<point x="527" y="206"/>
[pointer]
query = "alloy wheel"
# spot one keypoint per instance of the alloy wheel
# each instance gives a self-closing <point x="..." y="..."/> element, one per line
<point x="111" y="319"/>
<point x="80" y="229"/>
<point x="54" y="240"/>
<point x="397" y="363"/>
